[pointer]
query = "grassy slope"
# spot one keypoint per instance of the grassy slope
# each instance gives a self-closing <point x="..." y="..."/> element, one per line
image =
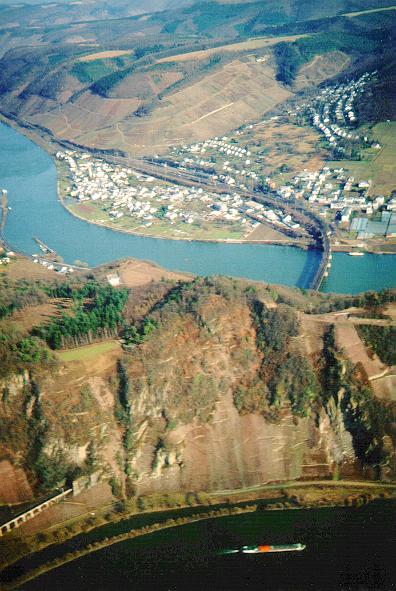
<point x="380" y="169"/>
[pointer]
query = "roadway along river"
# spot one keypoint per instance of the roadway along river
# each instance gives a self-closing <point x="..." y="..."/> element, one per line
<point x="29" y="175"/>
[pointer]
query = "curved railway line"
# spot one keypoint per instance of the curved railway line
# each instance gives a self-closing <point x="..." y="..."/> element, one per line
<point x="310" y="221"/>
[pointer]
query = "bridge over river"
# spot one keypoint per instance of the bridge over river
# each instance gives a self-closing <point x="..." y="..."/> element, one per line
<point x="313" y="225"/>
<point x="308" y="219"/>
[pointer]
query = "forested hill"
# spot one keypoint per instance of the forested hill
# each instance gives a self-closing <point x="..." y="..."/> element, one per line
<point x="124" y="381"/>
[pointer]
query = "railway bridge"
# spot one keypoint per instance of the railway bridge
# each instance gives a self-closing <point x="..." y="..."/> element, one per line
<point x="311" y="222"/>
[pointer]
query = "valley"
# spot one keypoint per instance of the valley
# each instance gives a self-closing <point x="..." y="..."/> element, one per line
<point x="197" y="320"/>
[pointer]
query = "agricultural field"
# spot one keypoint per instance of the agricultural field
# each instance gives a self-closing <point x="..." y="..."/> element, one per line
<point x="369" y="11"/>
<point x="145" y="84"/>
<point x="89" y="352"/>
<point x="101" y="55"/>
<point x="249" y="45"/>
<point x="212" y="105"/>
<point x="380" y="168"/>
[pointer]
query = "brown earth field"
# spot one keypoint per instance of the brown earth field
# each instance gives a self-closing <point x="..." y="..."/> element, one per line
<point x="135" y="273"/>
<point x="286" y="142"/>
<point x="229" y="96"/>
<point x="33" y="315"/>
<point x="146" y="84"/>
<point x="251" y="44"/>
<point x="22" y="267"/>
<point x="320" y="68"/>
<point x="381" y="377"/>
<point x="349" y="341"/>
<point x="14" y="486"/>
<point x="267" y="232"/>
<point x="101" y="55"/>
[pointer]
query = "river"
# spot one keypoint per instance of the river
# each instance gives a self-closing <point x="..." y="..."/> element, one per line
<point x="29" y="175"/>
<point x="346" y="550"/>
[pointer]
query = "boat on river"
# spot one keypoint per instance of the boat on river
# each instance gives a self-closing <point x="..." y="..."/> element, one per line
<point x="356" y="253"/>
<point x="263" y="549"/>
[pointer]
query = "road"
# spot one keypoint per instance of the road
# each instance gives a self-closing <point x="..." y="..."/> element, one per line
<point x="312" y="223"/>
<point x="307" y="483"/>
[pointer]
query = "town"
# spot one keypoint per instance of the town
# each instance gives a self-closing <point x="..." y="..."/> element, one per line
<point x="110" y="193"/>
<point x="341" y="199"/>
<point x="138" y="202"/>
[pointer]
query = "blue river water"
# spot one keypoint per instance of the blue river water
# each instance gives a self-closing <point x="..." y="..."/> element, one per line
<point x="29" y="175"/>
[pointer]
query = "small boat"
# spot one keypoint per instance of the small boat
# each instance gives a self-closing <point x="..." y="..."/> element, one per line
<point x="356" y="254"/>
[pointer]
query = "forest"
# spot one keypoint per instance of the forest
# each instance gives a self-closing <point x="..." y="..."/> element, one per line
<point x="291" y="56"/>
<point x="96" y="308"/>
<point x="382" y="341"/>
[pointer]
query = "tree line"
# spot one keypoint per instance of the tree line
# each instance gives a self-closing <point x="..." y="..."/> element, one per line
<point x="97" y="309"/>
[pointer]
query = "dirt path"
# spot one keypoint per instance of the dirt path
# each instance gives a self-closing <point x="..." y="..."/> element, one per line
<point x="211" y="113"/>
<point x="348" y="340"/>
<point x="310" y="64"/>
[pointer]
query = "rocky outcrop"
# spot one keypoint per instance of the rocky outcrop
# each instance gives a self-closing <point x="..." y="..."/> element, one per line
<point x="165" y="416"/>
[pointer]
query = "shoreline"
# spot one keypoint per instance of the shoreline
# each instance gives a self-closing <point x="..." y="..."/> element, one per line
<point x="278" y="496"/>
<point x="176" y="238"/>
<point x="36" y="138"/>
<point x="279" y="500"/>
<point x="33" y="135"/>
<point x="117" y="539"/>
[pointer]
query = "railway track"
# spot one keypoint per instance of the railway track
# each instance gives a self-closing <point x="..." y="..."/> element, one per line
<point x="311" y="222"/>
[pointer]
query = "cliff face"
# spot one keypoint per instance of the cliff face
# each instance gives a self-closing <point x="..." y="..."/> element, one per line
<point x="207" y="398"/>
<point x="196" y="439"/>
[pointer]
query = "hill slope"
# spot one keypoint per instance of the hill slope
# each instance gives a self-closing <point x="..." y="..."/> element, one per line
<point x="220" y="384"/>
<point x="142" y="83"/>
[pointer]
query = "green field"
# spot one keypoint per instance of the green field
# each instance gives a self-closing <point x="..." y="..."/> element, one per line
<point x="93" y="212"/>
<point x="88" y="352"/>
<point x="381" y="169"/>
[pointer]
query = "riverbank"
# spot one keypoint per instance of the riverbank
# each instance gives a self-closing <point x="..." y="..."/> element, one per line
<point x="135" y="533"/>
<point x="96" y="526"/>
<point x="29" y="175"/>
<point x="134" y="526"/>
<point x="343" y="546"/>
<point x="51" y="145"/>
<point x="3" y="212"/>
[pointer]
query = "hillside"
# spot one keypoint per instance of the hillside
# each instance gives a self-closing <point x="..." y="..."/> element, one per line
<point x="113" y="80"/>
<point x="205" y="384"/>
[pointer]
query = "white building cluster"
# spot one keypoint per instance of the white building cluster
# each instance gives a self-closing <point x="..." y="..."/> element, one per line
<point x="332" y="192"/>
<point x="125" y="192"/>
<point x="334" y="112"/>
<point x="234" y="162"/>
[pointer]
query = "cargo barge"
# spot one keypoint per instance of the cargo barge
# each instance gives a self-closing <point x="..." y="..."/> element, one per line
<point x="262" y="549"/>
